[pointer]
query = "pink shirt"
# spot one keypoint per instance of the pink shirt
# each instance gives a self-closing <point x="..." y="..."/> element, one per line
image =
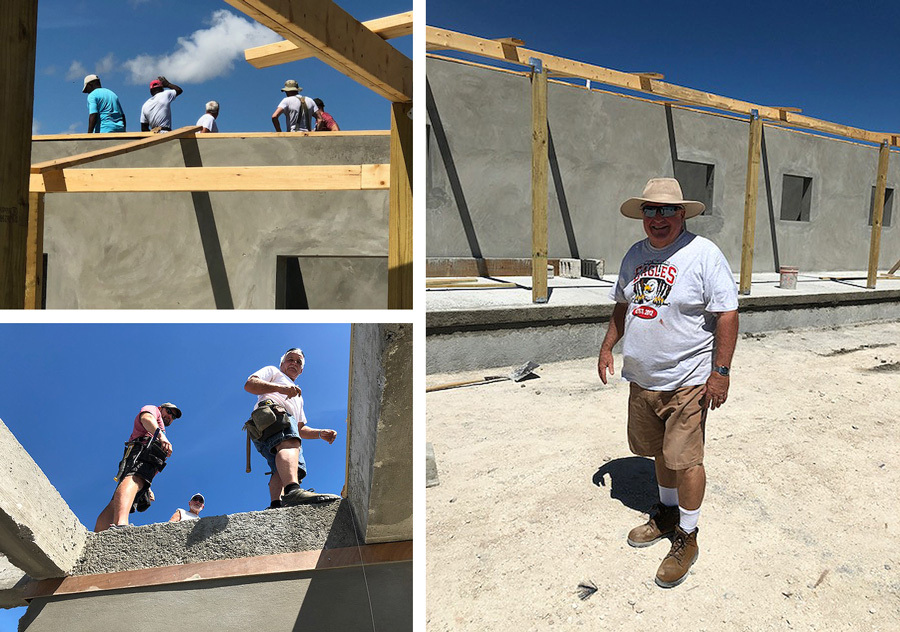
<point x="327" y="122"/>
<point x="139" y="430"/>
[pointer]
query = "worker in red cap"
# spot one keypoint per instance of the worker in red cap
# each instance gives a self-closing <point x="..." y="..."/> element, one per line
<point x="156" y="113"/>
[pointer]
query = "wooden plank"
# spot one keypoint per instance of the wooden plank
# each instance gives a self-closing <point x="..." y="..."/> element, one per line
<point x="750" y="198"/>
<point x="293" y="178"/>
<point x="34" y="262"/>
<point x="284" y="51"/>
<point x="465" y="286"/>
<point x="223" y="569"/>
<point x="116" y="150"/>
<point x="400" y="219"/>
<point x="486" y="267"/>
<point x="339" y="40"/>
<point x="894" y="268"/>
<point x="539" y="186"/>
<point x="18" y="37"/>
<point x="445" y="39"/>
<point x="218" y="135"/>
<point x="884" y="154"/>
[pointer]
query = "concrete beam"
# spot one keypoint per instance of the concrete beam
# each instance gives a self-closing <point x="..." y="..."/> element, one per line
<point x="38" y="532"/>
<point x="379" y="479"/>
<point x="12" y="584"/>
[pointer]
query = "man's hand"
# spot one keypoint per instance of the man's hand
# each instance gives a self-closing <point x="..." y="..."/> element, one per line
<point x="604" y="362"/>
<point x="716" y="391"/>
<point x="166" y="444"/>
<point x="289" y="391"/>
<point x="329" y="435"/>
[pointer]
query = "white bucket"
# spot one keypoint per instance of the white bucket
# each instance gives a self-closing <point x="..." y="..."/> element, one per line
<point x="788" y="278"/>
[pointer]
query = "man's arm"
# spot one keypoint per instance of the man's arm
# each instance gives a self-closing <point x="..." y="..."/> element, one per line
<point x="92" y="122"/>
<point x="716" y="391"/>
<point x="148" y="421"/>
<point x="257" y="386"/>
<point x="614" y="333"/>
<point x="145" y="127"/>
<point x="275" y="120"/>
<point x="176" y="517"/>
<point x="315" y="433"/>
<point x="167" y="84"/>
<point x="124" y="122"/>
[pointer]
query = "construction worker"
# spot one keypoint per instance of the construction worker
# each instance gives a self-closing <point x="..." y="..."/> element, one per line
<point x="146" y="452"/>
<point x="156" y="112"/>
<point x="276" y="427"/>
<point x="105" y="113"/>
<point x="297" y="110"/>
<point x="208" y="120"/>
<point x="326" y="121"/>
<point x="195" y="506"/>
<point x="678" y="370"/>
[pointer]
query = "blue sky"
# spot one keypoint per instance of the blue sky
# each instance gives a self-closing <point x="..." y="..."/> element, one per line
<point x="197" y="45"/>
<point x="96" y="377"/>
<point x="833" y="59"/>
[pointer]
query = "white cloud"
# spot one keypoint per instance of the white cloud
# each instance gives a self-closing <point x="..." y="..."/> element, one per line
<point x="35" y="127"/>
<point x="76" y="71"/>
<point x="105" y="65"/>
<point x="204" y="54"/>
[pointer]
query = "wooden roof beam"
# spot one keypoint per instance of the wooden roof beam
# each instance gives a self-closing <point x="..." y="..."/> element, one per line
<point x="284" y="51"/>
<point x="339" y="40"/>
<point x="437" y="38"/>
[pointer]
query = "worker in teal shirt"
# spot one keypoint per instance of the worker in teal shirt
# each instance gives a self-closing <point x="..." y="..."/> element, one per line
<point x="104" y="110"/>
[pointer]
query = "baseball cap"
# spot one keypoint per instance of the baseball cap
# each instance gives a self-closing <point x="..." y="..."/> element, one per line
<point x="173" y="407"/>
<point x="89" y="79"/>
<point x="200" y="496"/>
<point x="156" y="83"/>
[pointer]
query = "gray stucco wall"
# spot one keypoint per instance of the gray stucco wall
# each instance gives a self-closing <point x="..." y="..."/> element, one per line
<point x="206" y="250"/>
<point x="603" y="149"/>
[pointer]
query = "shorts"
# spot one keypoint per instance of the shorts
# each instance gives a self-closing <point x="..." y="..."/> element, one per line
<point x="671" y="423"/>
<point x="130" y="465"/>
<point x="267" y="447"/>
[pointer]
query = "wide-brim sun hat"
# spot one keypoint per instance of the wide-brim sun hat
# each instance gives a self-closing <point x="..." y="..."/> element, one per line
<point x="291" y="85"/>
<point x="661" y="191"/>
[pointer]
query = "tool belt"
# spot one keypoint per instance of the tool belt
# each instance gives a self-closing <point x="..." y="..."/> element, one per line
<point x="143" y="458"/>
<point x="268" y="419"/>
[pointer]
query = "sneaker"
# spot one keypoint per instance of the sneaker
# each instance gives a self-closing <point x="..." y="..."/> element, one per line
<point x="305" y="497"/>
<point x="678" y="562"/>
<point x="662" y="523"/>
<point x="119" y="526"/>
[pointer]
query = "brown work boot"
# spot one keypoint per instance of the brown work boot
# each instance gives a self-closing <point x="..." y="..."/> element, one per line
<point x="678" y="562"/>
<point x="663" y="520"/>
<point x="305" y="497"/>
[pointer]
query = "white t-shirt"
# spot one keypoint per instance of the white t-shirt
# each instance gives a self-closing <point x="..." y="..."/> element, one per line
<point x="673" y="295"/>
<point x="291" y="105"/>
<point x="209" y="122"/>
<point x="187" y="515"/>
<point x="293" y="405"/>
<point x="157" y="110"/>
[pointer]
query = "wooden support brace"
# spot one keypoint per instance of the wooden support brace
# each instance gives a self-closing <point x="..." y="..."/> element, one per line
<point x="400" y="220"/>
<point x="117" y="150"/>
<point x="34" y="256"/>
<point x="539" y="186"/>
<point x="750" y="197"/>
<point x="884" y="154"/>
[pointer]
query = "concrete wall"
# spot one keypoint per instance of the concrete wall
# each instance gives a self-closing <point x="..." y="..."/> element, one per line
<point x="603" y="149"/>
<point x="207" y="250"/>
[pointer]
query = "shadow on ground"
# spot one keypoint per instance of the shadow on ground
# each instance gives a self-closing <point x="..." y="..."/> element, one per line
<point x="631" y="481"/>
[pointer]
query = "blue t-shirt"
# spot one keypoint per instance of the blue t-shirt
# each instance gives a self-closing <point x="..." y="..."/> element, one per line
<point x="105" y="104"/>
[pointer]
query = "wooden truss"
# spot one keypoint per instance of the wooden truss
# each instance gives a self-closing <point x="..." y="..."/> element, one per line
<point x="543" y="65"/>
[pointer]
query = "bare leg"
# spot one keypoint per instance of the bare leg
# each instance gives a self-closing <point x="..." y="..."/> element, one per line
<point x="105" y="518"/>
<point x="275" y="486"/>
<point x="123" y="499"/>
<point x="691" y="483"/>
<point x="286" y="459"/>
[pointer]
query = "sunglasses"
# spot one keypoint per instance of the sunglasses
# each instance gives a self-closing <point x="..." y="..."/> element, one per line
<point x="663" y="211"/>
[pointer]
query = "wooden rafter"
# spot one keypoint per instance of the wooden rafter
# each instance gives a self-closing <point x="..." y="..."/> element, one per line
<point x="285" y="51"/>
<point x="117" y="150"/>
<point x="162" y="179"/>
<point x="443" y="39"/>
<point x="339" y="40"/>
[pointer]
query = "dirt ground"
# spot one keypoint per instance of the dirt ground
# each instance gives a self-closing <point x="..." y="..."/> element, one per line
<point x="799" y="530"/>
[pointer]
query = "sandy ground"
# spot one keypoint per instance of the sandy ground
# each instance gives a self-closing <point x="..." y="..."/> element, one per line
<point x="800" y="528"/>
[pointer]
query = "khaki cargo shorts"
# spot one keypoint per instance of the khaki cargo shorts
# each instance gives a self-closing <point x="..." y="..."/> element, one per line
<point x="671" y="423"/>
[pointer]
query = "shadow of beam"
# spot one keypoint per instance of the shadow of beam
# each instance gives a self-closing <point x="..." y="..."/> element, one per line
<point x="765" y="170"/>
<point x="561" y="196"/>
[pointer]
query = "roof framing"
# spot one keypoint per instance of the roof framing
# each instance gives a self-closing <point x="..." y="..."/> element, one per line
<point x="339" y="40"/>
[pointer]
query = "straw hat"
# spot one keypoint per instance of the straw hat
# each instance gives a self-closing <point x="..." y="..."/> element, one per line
<point x="661" y="191"/>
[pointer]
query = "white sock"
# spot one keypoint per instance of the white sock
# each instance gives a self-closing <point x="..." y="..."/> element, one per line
<point x="689" y="519"/>
<point x="668" y="495"/>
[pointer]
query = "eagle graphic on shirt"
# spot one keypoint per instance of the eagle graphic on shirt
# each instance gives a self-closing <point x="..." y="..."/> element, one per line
<point x="652" y="283"/>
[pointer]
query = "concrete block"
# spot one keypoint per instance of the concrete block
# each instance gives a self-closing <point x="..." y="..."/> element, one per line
<point x="38" y="532"/>
<point x="379" y="479"/>
<point x="431" y="473"/>
<point x="12" y="584"/>
<point x="570" y="268"/>
<point x="592" y="268"/>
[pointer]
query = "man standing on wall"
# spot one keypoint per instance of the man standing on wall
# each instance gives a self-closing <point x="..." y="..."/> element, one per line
<point x="157" y="110"/>
<point x="105" y="113"/>
<point x="676" y="306"/>
<point x="297" y="110"/>
<point x="276" y="427"/>
<point x="145" y="456"/>
<point x="208" y="120"/>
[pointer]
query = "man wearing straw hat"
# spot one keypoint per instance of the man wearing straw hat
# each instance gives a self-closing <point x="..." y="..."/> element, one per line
<point x="676" y="307"/>
<point x="297" y="110"/>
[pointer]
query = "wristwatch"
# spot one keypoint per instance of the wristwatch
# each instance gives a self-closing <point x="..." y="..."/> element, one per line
<point x="721" y="370"/>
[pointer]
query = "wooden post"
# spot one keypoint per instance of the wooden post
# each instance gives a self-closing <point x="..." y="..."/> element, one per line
<point x="539" y="191"/>
<point x="750" y="196"/>
<point x="884" y="154"/>
<point x="34" y="257"/>
<point x="18" y="37"/>
<point x="400" y="220"/>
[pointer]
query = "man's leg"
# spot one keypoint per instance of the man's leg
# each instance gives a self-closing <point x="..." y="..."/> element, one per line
<point x="286" y="456"/>
<point x="276" y="487"/>
<point x="123" y="498"/>
<point x="105" y="518"/>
